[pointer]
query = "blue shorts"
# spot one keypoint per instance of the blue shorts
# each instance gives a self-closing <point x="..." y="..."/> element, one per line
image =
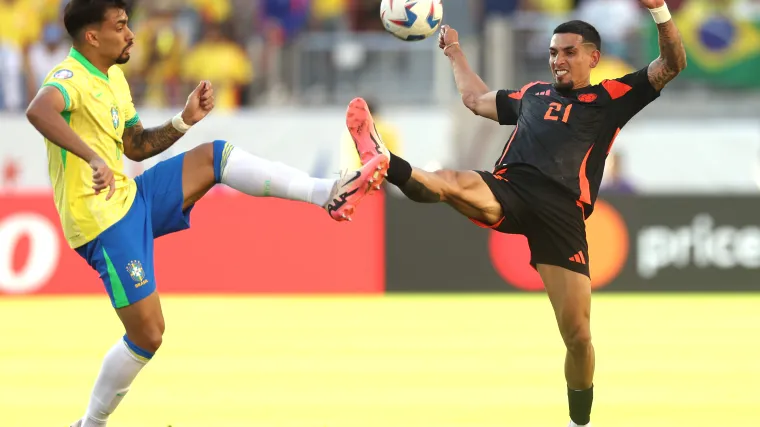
<point x="123" y="253"/>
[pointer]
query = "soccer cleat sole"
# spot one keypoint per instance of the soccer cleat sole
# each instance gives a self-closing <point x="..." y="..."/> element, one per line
<point x="361" y="125"/>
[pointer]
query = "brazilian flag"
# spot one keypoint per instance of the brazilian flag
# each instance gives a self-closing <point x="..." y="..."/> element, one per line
<point x="721" y="49"/>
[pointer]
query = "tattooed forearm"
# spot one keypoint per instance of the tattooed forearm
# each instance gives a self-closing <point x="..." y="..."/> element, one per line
<point x="672" y="58"/>
<point x="417" y="192"/>
<point x="141" y="143"/>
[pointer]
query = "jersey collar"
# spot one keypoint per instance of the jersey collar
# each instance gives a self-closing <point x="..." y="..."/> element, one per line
<point x="87" y="64"/>
<point x="570" y="93"/>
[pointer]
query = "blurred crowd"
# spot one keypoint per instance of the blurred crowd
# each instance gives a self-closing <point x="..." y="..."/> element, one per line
<point x="244" y="46"/>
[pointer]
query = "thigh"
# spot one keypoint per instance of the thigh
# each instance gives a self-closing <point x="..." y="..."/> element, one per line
<point x="123" y="257"/>
<point x="470" y="195"/>
<point x="556" y="237"/>
<point x="559" y="245"/>
<point x="495" y="190"/>
<point x="570" y="296"/>
<point x="201" y="171"/>
<point x="555" y="229"/>
<point x="161" y="188"/>
<point x="475" y="198"/>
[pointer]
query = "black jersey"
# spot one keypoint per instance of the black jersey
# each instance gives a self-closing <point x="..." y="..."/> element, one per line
<point x="567" y="136"/>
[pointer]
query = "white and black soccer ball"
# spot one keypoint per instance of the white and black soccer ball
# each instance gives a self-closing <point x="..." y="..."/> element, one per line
<point x="411" y="20"/>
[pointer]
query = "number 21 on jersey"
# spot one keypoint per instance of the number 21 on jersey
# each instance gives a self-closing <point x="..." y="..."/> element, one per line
<point x="556" y="107"/>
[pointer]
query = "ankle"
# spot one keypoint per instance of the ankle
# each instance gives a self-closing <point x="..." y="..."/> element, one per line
<point x="399" y="171"/>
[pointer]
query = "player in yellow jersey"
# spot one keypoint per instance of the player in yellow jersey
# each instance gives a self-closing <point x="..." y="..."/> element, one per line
<point x="85" y="112"/>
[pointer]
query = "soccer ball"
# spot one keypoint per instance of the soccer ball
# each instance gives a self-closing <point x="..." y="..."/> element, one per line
<point x="411" y="20"/>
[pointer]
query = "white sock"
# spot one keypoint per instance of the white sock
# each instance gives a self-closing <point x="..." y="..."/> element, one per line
<point x="120" y="367"/>
<point x="264" y="178"/>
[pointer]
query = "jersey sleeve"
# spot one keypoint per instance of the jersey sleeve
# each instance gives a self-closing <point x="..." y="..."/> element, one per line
<point x="508" y="106"/>
<point x="508" y="103"/>
<point x="632" y="92"/>
<point x="130" y="112"/>
<point x="66" y="82"/>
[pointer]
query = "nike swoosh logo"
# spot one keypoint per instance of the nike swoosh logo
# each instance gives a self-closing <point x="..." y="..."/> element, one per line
<point x="357" y="176"/>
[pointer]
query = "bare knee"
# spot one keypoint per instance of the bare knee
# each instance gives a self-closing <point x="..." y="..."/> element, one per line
<point x="577" y="337"/>
<point x="148" y="336"/>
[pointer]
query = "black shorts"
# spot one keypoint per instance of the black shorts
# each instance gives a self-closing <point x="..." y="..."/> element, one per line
<point x="544" y="213"/>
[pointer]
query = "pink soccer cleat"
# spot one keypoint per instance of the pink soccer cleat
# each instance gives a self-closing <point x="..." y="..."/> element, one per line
<point x="354" y="185"/>
<point x="364" y="133"/>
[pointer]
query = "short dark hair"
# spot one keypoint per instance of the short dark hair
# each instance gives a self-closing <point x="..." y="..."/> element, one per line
<point x="78" y="14"/>
<point x="583" y="29"/>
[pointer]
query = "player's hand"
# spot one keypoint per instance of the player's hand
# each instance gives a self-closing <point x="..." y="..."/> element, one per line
<point x="651" y="4"/>
<point x="102" y="177"/>
<point x="199" y="103"/>
<point x="447" y="37"/>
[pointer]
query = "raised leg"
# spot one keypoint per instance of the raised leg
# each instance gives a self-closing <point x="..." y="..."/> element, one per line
<point x="465" y="191"/>
<point x="222" y="162"/>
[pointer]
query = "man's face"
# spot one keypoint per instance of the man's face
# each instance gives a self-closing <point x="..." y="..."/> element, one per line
<point x="571" y="61"/>
<point x="114" y="37"/>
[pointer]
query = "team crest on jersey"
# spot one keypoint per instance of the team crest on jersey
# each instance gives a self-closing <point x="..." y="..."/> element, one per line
<point x="587" y="97"/>
<point x="136" y="272"/>
<point x="63" y="74"/>
<point x="115" y="117"/>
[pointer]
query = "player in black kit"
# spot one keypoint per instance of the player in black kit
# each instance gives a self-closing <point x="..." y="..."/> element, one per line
<point x="546" y="180"/>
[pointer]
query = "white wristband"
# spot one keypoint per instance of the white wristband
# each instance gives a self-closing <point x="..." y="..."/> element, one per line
<point x="180" y="124"/>
<point x="660" y="14"/>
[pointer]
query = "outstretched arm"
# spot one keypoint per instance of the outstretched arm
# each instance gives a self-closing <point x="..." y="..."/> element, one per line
<point x="475" y="93"/>
<point x="141" y="143"/>
<point x="672" y="59"/>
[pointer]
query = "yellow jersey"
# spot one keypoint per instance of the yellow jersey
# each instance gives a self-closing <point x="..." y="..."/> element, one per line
<point x="98" y="108"/>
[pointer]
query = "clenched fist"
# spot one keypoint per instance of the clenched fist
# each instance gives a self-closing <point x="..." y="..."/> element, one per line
<point x="448" y="37"/>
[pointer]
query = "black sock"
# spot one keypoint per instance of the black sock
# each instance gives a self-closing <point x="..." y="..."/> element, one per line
<point x="399" y="171"/>
<point x="580" y="405"/>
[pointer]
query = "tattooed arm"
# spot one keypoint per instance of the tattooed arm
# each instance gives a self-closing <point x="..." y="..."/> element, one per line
<point x="141" y="143"/>
<point x="416" y="191"/>
<point x="672" y="58"/>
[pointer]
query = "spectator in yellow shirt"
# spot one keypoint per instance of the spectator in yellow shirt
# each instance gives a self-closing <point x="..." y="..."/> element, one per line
<point x="216" y="11"/>
<point x="20" y="26"/>
<point x="328" y="14"/>
<point x="223" y="62"/>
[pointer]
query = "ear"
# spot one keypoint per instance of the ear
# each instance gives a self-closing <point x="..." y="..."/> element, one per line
<point x="596" y="56"/>
<point x="91" y="38"/>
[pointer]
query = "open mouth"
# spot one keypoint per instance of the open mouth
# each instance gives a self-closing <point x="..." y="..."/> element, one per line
<point x="560" y="73"/>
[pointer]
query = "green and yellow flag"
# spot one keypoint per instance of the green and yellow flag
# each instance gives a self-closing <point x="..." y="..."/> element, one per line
<point x="721" y="48"/>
